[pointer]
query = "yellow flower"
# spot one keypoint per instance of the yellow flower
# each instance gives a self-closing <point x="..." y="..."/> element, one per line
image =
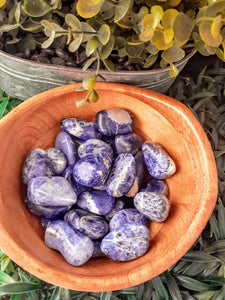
<point x="2" y="3"/>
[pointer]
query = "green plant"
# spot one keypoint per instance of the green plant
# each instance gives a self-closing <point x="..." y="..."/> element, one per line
<point x="142" y="30"/>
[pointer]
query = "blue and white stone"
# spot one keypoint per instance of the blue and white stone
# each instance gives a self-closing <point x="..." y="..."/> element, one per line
<point x="68" y="175"/>
<point x="158" y="186"/>
<point x="97" y="202"/>
<point x="154" y="206"/>
<point x="140" y="172"/>
<point x="95" y="147"/>
<point x="128" y="143"/>
<point x="79" y="128"/>
<point x="122" y="176"/>
<point x="92" y="171"/>
<point x="65" y="143"/>
<point x="45" y="211"/>
<point x="110" y="140"/>
<point x="54" y="191"/>
<point x="91" y="225"/>
<point x="114" y="121"/>
<point x="127" y="242"/>
<point x="97" y="249"/>
<point x="58" y="160"/>
<point x="126" y="216"/>
<point x="121" y="203"/>
<point x="76" y="248"/>
<point x="160" y="165"/>
<point x="37" y="164"/>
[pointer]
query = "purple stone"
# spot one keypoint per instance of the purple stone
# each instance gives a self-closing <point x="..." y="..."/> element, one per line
<point x="37" y="164"/>
<point x="76" y="248"/>
<point x="87" y="223"/>
<point x="154" y="206"/>
<point x="95" y="147"/>
<point x="128" y="143"/>
<point x="97" y="249"/>
<point x="46" y="211"/>
<point x="122" y="176"/>
<point x="114" y="121"/>
<point x="97" y="202"/>
<point x="91" y="171"/>
<point x="160" y="165"/>
<point x="54" y="191"/>
<point x="110" y="140"/>
<point x="158" y="186"/>
<point x="126" y="243"/>
<point x="121" y="203"/>
<point x="58" y="160"/>
<point x="140" y="172"/>
<point x="79" y="128"/>
<point x="125" y="216"/>
<point x="65" y="143"/>
<point x="100" y="187"/>
<point x="68" y="175"/>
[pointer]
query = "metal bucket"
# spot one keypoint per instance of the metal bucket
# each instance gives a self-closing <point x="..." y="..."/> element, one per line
<point x="23" y="78"/>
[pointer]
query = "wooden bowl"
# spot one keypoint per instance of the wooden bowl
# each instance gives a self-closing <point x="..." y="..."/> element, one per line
<point x="192" y="190"/>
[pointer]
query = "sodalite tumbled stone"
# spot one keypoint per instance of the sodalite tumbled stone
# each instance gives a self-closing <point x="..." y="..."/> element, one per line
<point x="87" y="223"/>
<point x="160" y="165"/>
<point x="154" y="206"/>
<point x="97" y="249"/>
<point x="125" y="216"/>
<point x="122" y="175"/>
<point x="46" y="211"/>
<point x="158" y="186"/>
<point x="36" y="164"/>
<point x="121" y="203"/>
<point x="95" y="147"/>
<point x="65" y="143"/>
<point x="73" y="245"/>
<point x="128" y="143"/>
<point x="114" y="121"/>
<point x="54" y="191"/>
<point x="127" y="242"/>
<point x="97" y="202"/>
<point x="79" y="128"/>
<point x="58" y="160"/>
<point x="92" y="171"/>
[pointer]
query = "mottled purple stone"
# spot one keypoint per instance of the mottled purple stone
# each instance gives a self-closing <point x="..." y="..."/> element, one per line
<point x="36" y="164"/>
<point x="126" y="243"/>
<point x="97" y="249"/>
<point x="68" y="175"/>
<point x="121" y="203"/>
<point x="125" y="216"/>
<point x="46" y="211"/>
<point x="97" y="202"/>
<point x="122" y="176"/>
<point x="114" y="121"/>
<point x="54" y="191"/>
<point x="158" y="186"/>
<point x="92" y="171"/>
<point x="58" y="160"/>
<point x="79" y="128"/>
<point x="160" y="165"/>
<point x="128" y="143"/>
<point x="65" y="143"/>
<point x="95" y="147"/>
<point x="76" y="248"/>
<point x="87" y="223"/>
<point x="154" y="206"/>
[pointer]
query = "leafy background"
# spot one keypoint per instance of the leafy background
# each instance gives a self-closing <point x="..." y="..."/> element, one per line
<point x="200" y="273"/>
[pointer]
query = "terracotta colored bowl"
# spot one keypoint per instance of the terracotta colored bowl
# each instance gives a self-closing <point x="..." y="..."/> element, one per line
<point x="192" y="190"/>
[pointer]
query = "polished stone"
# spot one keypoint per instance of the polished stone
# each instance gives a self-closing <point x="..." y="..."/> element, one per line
<point x="65" y="143"/>
<point x="158" y="186"/>
<point x="128" y="143"/>
<point x="58" y="160"/>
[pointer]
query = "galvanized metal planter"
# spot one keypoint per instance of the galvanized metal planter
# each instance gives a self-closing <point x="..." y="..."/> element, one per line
<point x="24" y="78"/>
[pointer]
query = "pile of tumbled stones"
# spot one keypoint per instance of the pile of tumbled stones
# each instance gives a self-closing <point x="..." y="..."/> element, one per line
<point x="91" y="189"/>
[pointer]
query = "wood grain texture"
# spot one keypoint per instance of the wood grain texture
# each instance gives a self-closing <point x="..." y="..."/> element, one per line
<point x="192" y="190"/>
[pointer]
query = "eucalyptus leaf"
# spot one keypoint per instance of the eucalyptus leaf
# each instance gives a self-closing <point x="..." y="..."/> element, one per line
<point x="36" y="8"/>
<point x="89" y="8"/>
<point x="91" y="46"/>
<point x="121" y="9"/>
<point x="104" y="34"/>
<point x="89" y="62"/>
<point x="89" y="82"/>
<point x="8" y="27"/>
<point x="106" y="50"/>
<point x="109" y="65"/>
<point x="75" y="44"/>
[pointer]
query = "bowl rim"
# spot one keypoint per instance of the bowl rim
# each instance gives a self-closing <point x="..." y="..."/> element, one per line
<point x="138" y="275"/>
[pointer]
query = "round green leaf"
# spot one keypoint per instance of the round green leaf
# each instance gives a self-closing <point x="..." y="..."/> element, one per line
<point x="30" y="25"/>
<point x="122" y="9"/>
<point x="104" y="34"/>
<point x="173" y="71"/>
<point x="173" y="54"/>
<point x="93" y="98"/>
<point x="36" y="8"/>
<point x="107" y="49"/>
<point x="91" y="46"/>
<point x="134" y="50"/>
<point x="109" y="65"/>
<point x="17" y="12"/>
<point x="75" y="44"/>
<point x="182" y="28"/>
<point x="73" y="22"/>
<point x="89" y="8"/>
<point x="80" y="103"/>
<point x="89" y="82"/>
<point x="8" y="27"/>
<point x="88" y="31"/>
<point x="150" y="61"/>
